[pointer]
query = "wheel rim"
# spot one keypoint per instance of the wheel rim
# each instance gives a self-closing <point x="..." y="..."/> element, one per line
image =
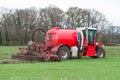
<point x="101" y="54"/>
<point x="63" y="54"/>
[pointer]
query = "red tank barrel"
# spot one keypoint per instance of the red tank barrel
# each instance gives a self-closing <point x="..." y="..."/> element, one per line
<point x="58" y="36"/>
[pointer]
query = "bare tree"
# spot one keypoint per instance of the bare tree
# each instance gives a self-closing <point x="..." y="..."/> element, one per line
<point x="50" y="17"/>
<point x="77" y="17"/>
<point x="17" y="24"/>
<point x="24" y="22"/>
<point x="74" y="17"/>
<point x="29" y="21"/>
<point x="98" y="20"/>
<point x="0" y="35"/>
<point x="5" y="22"/>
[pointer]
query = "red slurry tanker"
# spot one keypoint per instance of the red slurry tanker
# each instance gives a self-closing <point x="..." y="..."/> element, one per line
<point x="61" y="44"/>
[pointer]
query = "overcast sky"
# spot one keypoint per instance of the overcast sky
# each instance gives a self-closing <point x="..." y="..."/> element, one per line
<point x="110" y="8"/>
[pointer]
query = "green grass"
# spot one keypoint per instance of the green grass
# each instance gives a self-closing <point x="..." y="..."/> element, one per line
<point x="7" y="51"/>
<point x="74" y="69"/>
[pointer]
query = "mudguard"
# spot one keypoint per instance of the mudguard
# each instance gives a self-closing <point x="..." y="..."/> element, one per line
<point x="55" y="49"/>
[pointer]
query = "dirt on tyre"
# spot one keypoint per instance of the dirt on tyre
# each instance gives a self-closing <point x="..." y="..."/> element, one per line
<point x="64" y="53"/>
<point x="100" y="53"/>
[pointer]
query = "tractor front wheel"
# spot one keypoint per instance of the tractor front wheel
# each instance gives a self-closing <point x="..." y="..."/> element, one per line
<point x="100" y="53"/>
<point x="64" y="53"/>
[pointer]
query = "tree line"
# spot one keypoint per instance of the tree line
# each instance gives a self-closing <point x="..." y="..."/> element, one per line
<point x="16" y="25"/>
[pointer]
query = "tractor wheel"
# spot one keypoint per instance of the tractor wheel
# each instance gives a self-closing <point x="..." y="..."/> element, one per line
<point x="100" y="53"/>
<point x="64" y="53"/>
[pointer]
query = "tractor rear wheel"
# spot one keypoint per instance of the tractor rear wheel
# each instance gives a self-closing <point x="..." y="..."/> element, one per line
<point x="100" y="53"/>
<point x="64" y="53"/>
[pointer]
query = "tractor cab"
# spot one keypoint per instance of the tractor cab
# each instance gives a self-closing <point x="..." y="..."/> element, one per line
<point x="86" y="36"/>
<point x="91" y="35"/>
<point x="87" y="44"/>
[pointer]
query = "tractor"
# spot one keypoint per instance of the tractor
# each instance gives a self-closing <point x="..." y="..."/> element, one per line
<point x="61" y="44"/>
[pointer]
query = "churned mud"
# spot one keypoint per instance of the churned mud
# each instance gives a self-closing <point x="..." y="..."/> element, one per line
<point x="16" y="59"/>
<point x="6" y="59"/>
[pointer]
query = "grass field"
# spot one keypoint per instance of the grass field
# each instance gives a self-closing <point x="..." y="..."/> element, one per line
<point x="73" y="69"/>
